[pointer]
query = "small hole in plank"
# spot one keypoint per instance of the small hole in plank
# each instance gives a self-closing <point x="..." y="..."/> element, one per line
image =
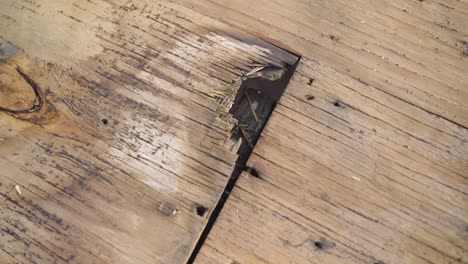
<point x="104" y="121"/>
<point x="338" y="104"/>
<point x="310" y="97"/>
<point x="318" y="245"/>
<point x="252" y="171"/>
<point x="201" y="210"/>
<point x="324" y="244"/>
<point x="311" y="81"/>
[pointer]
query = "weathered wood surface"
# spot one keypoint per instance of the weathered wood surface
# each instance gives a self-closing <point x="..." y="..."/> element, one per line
<point x="130" y="148"/>
<point x="414" y="50"/>
<point x="349" y="176"/>
<point x="366" y="154"/>
<point x="365" y="159"/>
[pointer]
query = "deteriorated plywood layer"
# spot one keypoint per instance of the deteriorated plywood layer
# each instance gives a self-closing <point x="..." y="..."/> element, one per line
<point x="365" y="158"/>
<point x="132" y="133"/>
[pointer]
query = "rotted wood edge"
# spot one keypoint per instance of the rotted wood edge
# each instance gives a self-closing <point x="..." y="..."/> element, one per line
<point x="264" y="91"/>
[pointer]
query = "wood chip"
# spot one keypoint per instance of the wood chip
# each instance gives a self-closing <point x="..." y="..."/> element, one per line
<point x="251" y="106"/>
<point x="18" y="190"/>
<point x="246" y="136"/>
<point x="254" y="70"/>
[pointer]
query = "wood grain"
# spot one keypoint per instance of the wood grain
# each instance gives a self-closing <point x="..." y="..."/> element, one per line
<point x="365" y="158"/>
<point x="132" y="147"/>
<point x="363" y="161"/>
<point x="346" y="179"/>
<point x="403" y="48"/>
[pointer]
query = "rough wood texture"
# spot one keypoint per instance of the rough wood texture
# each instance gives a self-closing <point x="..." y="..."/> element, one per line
<point x="345" y="183"/>
<point x="126" y="148"/>
<point x="365" y="158"/>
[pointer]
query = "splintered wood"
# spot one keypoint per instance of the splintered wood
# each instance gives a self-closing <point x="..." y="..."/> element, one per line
<point x="365" y="158"/>
<point x="117" y="139"/>
<point x="346" y="183"/>
<point x="129" y="135"/>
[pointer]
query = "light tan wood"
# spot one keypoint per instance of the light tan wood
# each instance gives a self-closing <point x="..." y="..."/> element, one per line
<point x="378" y="178"/>
<point x="133" y="134"/>
<point x="347" y="177"/>
<point x="365" y="159"/>
<point x="385" y="44"/>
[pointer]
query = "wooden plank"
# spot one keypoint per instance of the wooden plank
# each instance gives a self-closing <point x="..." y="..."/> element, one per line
<point x="382" y="43"/>
<point x="365" y="158"/>
<point x="125" y="150"/>
<point x="348" y="174"/>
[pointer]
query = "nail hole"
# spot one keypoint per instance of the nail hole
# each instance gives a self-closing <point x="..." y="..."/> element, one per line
<point x="334" y="38"/>
<point x="201" y="210"/>
<point x="311" y="81"/>
<point x="104" y="121"/>
<point x="338" y="104"/>
<point x="324" y="244"/>
<point x="252" y="171"/>
<point x="310" y="97"/>
<point x="318" y="244"/>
